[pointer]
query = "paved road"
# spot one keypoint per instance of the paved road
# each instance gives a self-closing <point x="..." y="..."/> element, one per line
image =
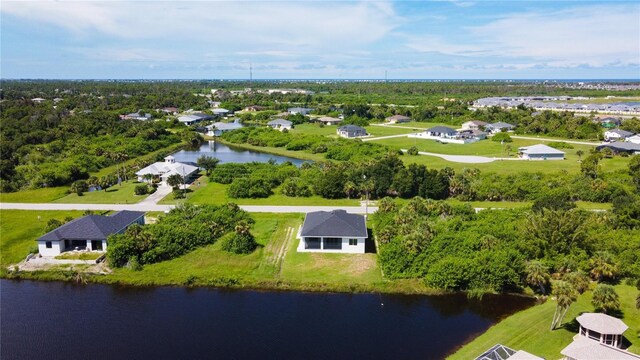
<point x="154" y="207"/>
<point x="468" y="159"/>
<point x="554" y="140"/>
<point x="384" y="137"/>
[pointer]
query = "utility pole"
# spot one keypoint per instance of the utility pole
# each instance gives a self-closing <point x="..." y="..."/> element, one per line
<point x="250" y="74"/>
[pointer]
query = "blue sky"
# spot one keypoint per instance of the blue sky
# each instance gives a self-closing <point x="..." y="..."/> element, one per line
<point x="320" y="39"/>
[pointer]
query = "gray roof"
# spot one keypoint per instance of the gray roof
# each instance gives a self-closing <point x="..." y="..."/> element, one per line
<point x="621" y="132"/>
<point x="398" y="117"/>
<point x="500" y="125"/>
<point x="539" y="149"/>
<point x="583" y="348"/>
<point x="351" y="128"/>
<point x="442" y="130"/>
<point x="602" y="323"/>
<point x="279" y="122"/>
<point x="337" y="223"/>
<point x="620" y="146"/>
<point x="93" y="227"/>
<point x="501" y="352"/>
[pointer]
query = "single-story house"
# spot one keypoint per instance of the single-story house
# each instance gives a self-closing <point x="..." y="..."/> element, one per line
<point x="621" y="146"/>
<point x="254" y="108"/>
<point x="474" y="125"/>
<point x="335" y="231"/>
<point x="499" y="127"/>
<point x="218" y="128"/>
<point x="397" y="119"/>
<point x="501" y="352"/>
<point x="280" y="124"/>
<point x="163" y="170"/>
<point x="540" y="152"/>
<point x="635" y="139"/>
<point x="38" y="100"/>
<point x="616" y="135"/>
<point x="327" y="120"/>
<point x="87" y="233"/>
<point x="220" y="112"/>
<point x="445" y="134"/>
<point x="351" y="131"/>
<point x="441" y="132"/>
<point x="170" y="110"/>
<point x="194" y="118"/>
<point x="610" y="122"/>
<point x="299" y="110"/>
<point x="136" y="116"/>
<point x="599" y="337"/>
<point x="472" y="134"/>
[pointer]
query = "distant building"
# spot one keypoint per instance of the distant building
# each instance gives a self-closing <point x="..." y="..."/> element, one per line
<point x="170" y="110"/>
<point x="299" y="110"/>
<point x="445" y="134"/>
<point x="499" y="127"/>
<point x="616" y="135"/>
<point x="474" y="125"/>
<point x="136" y="116"/>
<point x="501" y="352"/>
<point x="635" y="139"/>
<point x="195" y="118"/>
<point x="621" y="147"/>
<point x="38" y="100"/>
<point x="397" y="119"/>
<point x="352" y="131"/>
<point x="280" y="124"/>
<point x="610" y="122"/>
<point x="540" y="152"/>
<point x="220" y="128"/>
<point x="329" y="120"/>
<point x="220" y="112"/>
<point x="87" y="233"/>
<point x="335" y="231"/>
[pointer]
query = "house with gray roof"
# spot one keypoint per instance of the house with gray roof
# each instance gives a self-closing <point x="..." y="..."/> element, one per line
<point x="219" y="128"/>
<point x="617" y="135"/>
<point x="299" y="110"/>
<point x="280" y="124"/>
<point x="499" y="127"/>
<point x="328" y="120"/>
<point x="540" y="152"/>
<point x="87" y="233"/>
<point x="599" y="337"/>
<point x="474" y="125"/>
<point x="351" y="131"/>
<point x="333" y="231"/>
<point x="621" y="147"/>
<point x="397" y="119"/>
<point x="501" y="352"/>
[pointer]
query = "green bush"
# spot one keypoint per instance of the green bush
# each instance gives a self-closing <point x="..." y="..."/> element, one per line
<point x="141" y="189"/>
<point x="501" y="137"/>
<point x="240" y="243"/>
<point x="412" y="151"/>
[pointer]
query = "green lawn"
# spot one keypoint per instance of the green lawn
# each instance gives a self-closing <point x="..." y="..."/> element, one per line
<point x="20" y="228"/>
<point x="35" y="196"/>
<point x="213" y="193"/>
<point x="117" y="194"/>
<point x="84" y="255"/>
<point x="529" y="329"/>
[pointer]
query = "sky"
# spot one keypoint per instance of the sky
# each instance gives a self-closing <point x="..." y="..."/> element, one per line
<point x="452" y="39"/>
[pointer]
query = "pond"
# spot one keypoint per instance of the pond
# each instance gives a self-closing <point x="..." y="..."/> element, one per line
<point x="55" y="320"/>
<point x="230" y="154"/>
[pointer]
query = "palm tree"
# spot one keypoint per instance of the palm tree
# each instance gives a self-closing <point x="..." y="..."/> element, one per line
<point x="603" y="265"/>
<point x="579" y="153"/>
<point x="578" y="279"/>
<point x="242" y="228"/>
<point x="175" y="181"/>
<point x="537" y="275"/>
<point x="565" y="296"/>
<point x="349" y="188"/>
<point x="638" y="301"/>
<point x="605" y="298"/>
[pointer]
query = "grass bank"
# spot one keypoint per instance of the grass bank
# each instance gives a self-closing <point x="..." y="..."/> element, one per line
<point x="529" y="329"/>
<point x="122" y="193"/>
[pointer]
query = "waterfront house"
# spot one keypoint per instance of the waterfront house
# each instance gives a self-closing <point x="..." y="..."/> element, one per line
<point x="336" y="232"/>
<point x="327" y="120"/>
<point x="474" y="125"/>
<point x="195" y="118"/>
<point x="219" y="128"/>
<point x="280" y="124"/>
<point x="501" y="352"/>
<point x="397" y="119"/>
<point x="599" y="337"/>
<point x="621" y="147"/>
<point x="87" y="233"/>
<point x="163" y="169"/>
<point x="499" y="127"/>
<point x="540" y="152"/>
<point x="351" y="131"/>
<point x="616" y="135"/>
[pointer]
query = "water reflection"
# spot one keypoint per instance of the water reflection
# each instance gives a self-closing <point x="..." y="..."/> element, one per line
<point x="228" y="154"/>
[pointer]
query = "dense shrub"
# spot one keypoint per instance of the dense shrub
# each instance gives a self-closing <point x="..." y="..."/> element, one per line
<point x="240" y="243"/>
<point x="501" y="137"/>
<point x="141" y="189"/>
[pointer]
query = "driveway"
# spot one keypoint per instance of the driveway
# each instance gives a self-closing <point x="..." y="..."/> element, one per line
<point x="468" y="159"/>
<point x="161" y="192"/>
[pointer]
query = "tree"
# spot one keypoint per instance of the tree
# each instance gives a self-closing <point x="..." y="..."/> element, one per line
<point x="413" y="151"/>
<point x="175" y="181"/>
<point x="578" y="279"/>
<point x="605" y="298"/>
<point x="634" y="171"/>
<point x="537" y="275"/>
<point x="590" y="167"/>
<point x="141" y="189"/>
<point x="349" y="188"/>
<point x="208" y="163"/>
<point x="565" y="296"/>
<point x="502" y="137"/>
<point x="79" y="187"/>
<point x="241" y="242"/>
<point x="603" y="266"/>
<point x="554" y="200"/>
<point x="579" y="153"/>
<point x="638" y="301"/>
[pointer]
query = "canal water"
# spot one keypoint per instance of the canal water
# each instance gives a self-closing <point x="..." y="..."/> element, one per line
<point x="54" y="320"/>
<point x="229" y="154"/>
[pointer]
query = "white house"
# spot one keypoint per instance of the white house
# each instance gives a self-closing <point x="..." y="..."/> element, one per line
<point x="87" y="233"/>
<point x="474" y="125"/>
<point x="397" y="119"/>
<point x="219" y="128"/>
<point x="499" y="127"/>
<point x="299" y="110"/>
<point x="327" y="120"/>
<point x="351" y="131"/>
<point x="635" y="139"/>
<point x="616" y="135"/>
<point x="446" y="134"/>
<point x="333" y="232"/>
<point x="599" y="337"/>
<point x="540" y="152"/>
<point x="194" y="118"/>
<point x="167" y="168"/>
<point x="280" y="124"/>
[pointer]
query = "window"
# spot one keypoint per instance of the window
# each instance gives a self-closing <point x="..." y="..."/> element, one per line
<point x="48" y="244"/>
<point x="353" y="242"/>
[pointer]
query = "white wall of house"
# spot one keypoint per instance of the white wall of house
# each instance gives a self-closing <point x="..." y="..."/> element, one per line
<point x="56" y="248"/>
<point x="543" y="156"/>
<point x="347" y="248"/>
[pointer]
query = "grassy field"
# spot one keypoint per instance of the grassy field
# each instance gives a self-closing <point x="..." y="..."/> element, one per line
<point x="117" y="194"/>
<point x="213" y="193"/>
<point x="529" y="329"/>
<point x="113" y="168"/>
<point x="20" y="228"/>
<point x="35" y="196"/>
